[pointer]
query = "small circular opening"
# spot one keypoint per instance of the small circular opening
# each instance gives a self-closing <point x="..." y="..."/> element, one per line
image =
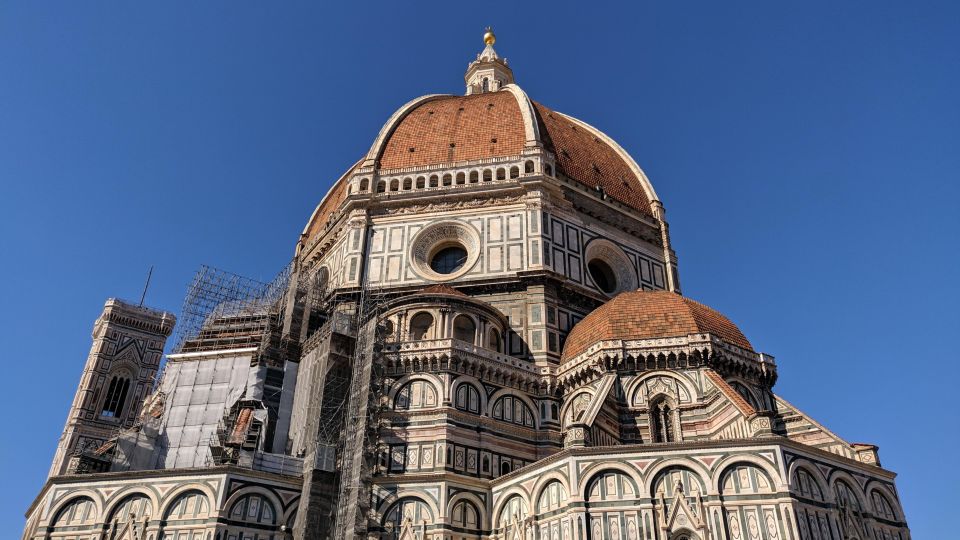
<point x="448" y="260"/>
<point x="602" y="275"/>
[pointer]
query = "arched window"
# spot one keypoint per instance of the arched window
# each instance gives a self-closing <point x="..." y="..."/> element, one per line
<point x="404" y="519"/>
<point x="662" y="420"/>
<point x="501" y="174"/>
<point x="549" y="170"/>
<point x="611" y="486"/>
<point x="78" y="515"/>
<point x="676" y="479"/>
<point x="745" y="479"/>
<point x="381" y="186"/>
<point x="513" y="409"/>
<point x="474" y="176"/>
<point x="578" y="407"/>
<point x="807" y="486"/>
<point x="434" y="181"/>
<point x="846" y="497"/>
<point x="467" y="398"/>
<point x="417" y="394"/>
<point x="187" y="516"/>
<point x="420" y="326"/>
<point x="528" y="167"/>
<point x="134" y="508"/>
<point x="493" y="340"/>
<point x="421" y="182"/>
<point x="465" y="515"/>
<point x="464" y="328"/>
<point x="512" y="517"/>
<point x="116" y="397"/>
<point x="505" y="468"/>
<point x="447" y="179"/>
<point x="553" y="496"/>
<point x="882" y="507"/>
<point x="486" y="84"/>
<point x="514" y="172"/>
<point x="746" y="394"/>
<point x="487" y="175"/>
<point x="364" y="184"/>
<point x="253" y="509"/>
<point x="407" y="184"/>
<point x="461" y="178"/>
<point x="851" y="512"/>
<point x="394" y="185"/>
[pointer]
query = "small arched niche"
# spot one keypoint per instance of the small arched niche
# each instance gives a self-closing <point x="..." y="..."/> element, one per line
<point x="421" y="326"/>
<point x="464" y="328"/>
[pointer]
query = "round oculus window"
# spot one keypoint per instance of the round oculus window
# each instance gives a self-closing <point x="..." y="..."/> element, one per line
<point x="448" y="260"/>
<point x="602" y="275"/>
<point x="444" y="251"/>
<point x="610" y="269"/>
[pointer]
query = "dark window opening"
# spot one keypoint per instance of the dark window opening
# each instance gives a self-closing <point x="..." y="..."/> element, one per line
<point x="448" y="260"/>
<point x="464" y="329"/>
<point x="662" y="423"/>
<point x="602" y="275"/>
<point x="116" y="396"/>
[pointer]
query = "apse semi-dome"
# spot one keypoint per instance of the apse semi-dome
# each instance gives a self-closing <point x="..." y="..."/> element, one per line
<point x="639" y="315"/>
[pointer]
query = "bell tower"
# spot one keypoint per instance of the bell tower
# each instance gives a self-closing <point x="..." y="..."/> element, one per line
<point x="489" y="72"/>
<point x="127" y="346"/>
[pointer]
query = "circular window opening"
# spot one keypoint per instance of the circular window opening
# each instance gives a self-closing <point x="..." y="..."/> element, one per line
<point x="602" y="275"/>
<point x="448" y="260"/>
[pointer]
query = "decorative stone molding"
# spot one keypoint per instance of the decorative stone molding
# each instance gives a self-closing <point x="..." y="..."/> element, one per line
<point x="867" y="453"/>
<point x="437" y="236"/>
<point x="576" y="436"/>
<point x="761" y="425"/>
<point x="477" y="202"/>
<point x="611" y="254"/>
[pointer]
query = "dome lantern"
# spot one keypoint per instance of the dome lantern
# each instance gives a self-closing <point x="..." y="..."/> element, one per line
<point x="489" y="72"/>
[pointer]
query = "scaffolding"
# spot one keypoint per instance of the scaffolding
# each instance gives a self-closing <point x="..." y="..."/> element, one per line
<point x="224" y="311"/>
<point x="252" y="323"/>
<point x="358" y="440"/>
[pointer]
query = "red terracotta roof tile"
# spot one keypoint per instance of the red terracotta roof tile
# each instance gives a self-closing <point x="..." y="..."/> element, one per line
<point x="649" y="315"/>
<point x="462" y="128"/>
<point x="239" y="433"/>
<point x="731" y="394"/>
<point x="456" y="128"/>
<point x="330" y="203"/>
<point x="441" y="289"/>
<point x="589" y="160"/>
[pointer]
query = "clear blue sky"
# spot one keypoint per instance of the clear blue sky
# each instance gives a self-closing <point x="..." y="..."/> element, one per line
<point x="807" y="153"/>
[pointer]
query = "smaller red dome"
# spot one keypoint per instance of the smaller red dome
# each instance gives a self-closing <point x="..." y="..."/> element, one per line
<point x="650" y="315"/>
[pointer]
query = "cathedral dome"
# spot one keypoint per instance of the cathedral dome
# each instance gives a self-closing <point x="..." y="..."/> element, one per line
<point x="443" y="130"/>
<point x="495" y="122"/>
<point x="649" y="315"/>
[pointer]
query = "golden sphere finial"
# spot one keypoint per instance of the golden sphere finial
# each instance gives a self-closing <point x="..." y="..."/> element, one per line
<point x="488" y="37"/>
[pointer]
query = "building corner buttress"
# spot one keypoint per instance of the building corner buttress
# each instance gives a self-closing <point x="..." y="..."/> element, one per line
<point x="669" y="256"/>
